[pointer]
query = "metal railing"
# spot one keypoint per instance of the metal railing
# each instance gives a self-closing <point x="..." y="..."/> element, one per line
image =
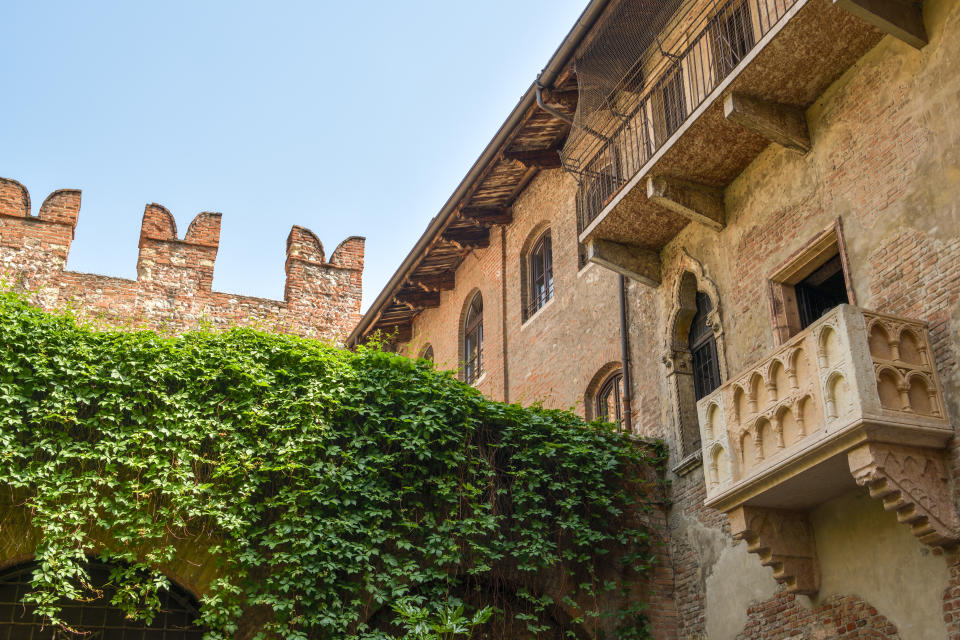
<point x="711" y="38"/>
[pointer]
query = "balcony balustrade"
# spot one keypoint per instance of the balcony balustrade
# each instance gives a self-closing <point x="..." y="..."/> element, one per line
<point x="854" y="399"/>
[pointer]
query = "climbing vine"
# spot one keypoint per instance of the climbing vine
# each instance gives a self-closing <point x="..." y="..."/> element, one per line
<point x="342" y="494"/>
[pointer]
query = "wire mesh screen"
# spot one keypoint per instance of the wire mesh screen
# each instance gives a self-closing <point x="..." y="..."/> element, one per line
<point x="650" y="65"/>
<point x="93" y="618"/>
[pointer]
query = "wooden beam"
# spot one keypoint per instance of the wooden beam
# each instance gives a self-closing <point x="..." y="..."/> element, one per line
<point x="567" y="98"/>
<point x="780" y="123"/>
<point x="697" y="202"/>
<point x="417" y="298"/>
<point x="902" y="19"/>
<point x="487" y="215"/>
<point x="642" y="265"/>
<point x="476" y="238"/>
<point x="397" y="332"/>
<point x="539" y="158"/>
<point x="435" y="282"/>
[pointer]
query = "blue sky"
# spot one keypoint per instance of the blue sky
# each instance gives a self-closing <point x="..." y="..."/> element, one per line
<point x="348" y="118"/>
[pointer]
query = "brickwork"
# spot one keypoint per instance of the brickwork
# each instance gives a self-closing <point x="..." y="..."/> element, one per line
<point x="883" y="161"/>
<point x="839" y="618"/>
<point x="581" y="318"/>
<point x="173" y="290"/>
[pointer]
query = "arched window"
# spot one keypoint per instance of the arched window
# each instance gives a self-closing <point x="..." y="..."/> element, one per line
<point x="540" y="270"/>
<point x="703" y="350"/>
<point x="693" y="354"/>
<point x="473" y="341"/>
<point x="428" y="353"/>
<point x="608" y="405"/>
<point x="93" y="617"/>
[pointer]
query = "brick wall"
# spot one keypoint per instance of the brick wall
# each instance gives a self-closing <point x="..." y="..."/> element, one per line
<point x="884" y="161"/>
<point x="172" y="291"/>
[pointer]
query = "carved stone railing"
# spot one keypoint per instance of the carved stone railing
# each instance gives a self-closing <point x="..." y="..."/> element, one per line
<point x="853" y="399"/>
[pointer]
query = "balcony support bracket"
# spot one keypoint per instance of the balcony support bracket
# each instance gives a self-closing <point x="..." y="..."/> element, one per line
<point x="697" y="202"/>
<point x="902" y="19"/>
<point x="642" y="265"/>
<point x="914" y="483"/>
<point x="784" y="541"/>
<point x="779" y="123"/>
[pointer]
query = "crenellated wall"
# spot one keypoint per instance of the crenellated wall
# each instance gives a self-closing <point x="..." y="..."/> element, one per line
<point x="173" y="290"/>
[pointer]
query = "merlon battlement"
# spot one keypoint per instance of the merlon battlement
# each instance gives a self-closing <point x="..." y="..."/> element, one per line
<point x="174" y="275"/>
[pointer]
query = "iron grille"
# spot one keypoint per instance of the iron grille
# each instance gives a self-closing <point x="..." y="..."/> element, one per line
<point x="704" y="44"/>
<point x="96" y="618"/>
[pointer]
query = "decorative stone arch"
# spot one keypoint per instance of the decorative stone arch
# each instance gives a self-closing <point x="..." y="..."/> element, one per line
<point x="596" y="382"/>
<point x="686" y="279"/>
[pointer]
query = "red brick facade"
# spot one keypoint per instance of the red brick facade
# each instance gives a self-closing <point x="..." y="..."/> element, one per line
<point x="172" y="291"/>
<point x="884" y="163"/>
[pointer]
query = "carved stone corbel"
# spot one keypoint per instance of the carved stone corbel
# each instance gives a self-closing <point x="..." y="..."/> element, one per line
<point x="914" y="483"/>
<point x="784" y="541"/>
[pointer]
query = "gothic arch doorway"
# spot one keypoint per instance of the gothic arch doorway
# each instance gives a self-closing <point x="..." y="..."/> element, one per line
<point x="96" y="618"/>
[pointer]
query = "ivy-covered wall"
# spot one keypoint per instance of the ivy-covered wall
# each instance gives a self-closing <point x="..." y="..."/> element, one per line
<point x="307" y="491"/>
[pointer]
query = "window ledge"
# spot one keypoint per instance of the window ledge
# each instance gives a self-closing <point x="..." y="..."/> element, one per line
<point x="689" y="463"/>
<point x="476" y="383"/>
<point x="538" y="312"/>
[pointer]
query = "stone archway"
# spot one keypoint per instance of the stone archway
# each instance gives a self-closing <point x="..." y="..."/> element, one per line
<point x="686" y="279"/>
<point x="94" y="617"/>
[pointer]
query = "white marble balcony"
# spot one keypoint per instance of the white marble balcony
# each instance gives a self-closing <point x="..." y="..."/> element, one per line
<point x="853" y="399"/>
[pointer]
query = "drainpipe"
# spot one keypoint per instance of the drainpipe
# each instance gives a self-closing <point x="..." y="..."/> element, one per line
<point x="625" y="359"/>
<point x="556" y="114"/>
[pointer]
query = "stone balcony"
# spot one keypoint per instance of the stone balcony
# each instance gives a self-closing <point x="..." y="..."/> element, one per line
<point x="852" y="400"/>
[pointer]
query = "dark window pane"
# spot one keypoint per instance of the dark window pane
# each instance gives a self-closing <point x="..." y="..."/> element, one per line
<point x="821" y="291"/>
<point x="609" y="403"/>
<point x="473" y="341"/>
<point x="541" y="275"/>
<point x="703" y="349"/>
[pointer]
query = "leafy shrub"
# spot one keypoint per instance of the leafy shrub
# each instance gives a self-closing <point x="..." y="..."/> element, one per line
<point x="341" y="490"/>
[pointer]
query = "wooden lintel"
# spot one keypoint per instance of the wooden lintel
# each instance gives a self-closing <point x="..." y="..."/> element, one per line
<point x="697" y="202"/>
<point x="539" y="158"/>
<point x="487" y="215"/>
<point x="418" y="299"/>
<point x="439" y="282"/>
<point x="779" y="123"/>
<point x="478" y="238"/>
<point x="642" y="265"/>
<point x="902" y="19"/>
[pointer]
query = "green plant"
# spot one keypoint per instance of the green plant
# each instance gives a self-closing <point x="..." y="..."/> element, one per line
<point x="334" y="485"/>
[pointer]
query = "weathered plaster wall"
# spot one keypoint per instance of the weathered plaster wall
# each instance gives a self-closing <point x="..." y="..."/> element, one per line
<point x="894" y="573"/>
<point x="885" y="161"/>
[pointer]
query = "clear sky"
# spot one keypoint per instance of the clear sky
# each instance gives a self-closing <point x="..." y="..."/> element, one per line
<point x="350" y="118"/>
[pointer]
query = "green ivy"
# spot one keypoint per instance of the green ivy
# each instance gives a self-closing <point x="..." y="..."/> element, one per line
<point x="331" y="484"/>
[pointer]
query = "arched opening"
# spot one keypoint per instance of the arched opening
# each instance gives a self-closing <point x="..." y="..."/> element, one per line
<point x="694" y="354"/>
<point x="94" y="617"/>
<point x="608" y="404"/>
<point x="427" y="353"/>
<point x="538" y="280"/>
<point x="473" y="340"/>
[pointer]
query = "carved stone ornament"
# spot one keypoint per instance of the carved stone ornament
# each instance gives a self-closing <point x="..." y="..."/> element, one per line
<point x="784" y="541"/>
<point x="914" y="483"/>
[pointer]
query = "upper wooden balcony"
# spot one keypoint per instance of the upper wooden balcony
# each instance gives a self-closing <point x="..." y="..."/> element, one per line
<point x="729" y="79"/>
<point x="854" y="399"/>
